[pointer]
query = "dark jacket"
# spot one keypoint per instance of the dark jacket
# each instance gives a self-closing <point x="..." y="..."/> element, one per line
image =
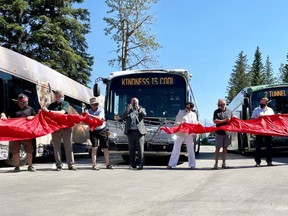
<point x="140" y="114"/>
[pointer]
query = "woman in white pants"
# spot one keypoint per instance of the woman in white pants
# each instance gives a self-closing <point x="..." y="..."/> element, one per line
<point x="184" y="116"/>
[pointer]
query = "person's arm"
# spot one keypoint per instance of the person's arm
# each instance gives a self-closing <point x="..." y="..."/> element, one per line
<point x="142" y="112"/>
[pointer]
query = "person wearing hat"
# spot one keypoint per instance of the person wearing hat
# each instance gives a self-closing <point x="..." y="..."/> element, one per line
<point x="99" y="135"/>
<point x="21" y="110"/>
<point x="184" y="116"/>
<point x="263" y="110"/>
<point x="62" y="107"/>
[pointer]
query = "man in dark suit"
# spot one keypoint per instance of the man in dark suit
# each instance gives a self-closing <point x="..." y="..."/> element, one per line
<point x="135" y="131"/>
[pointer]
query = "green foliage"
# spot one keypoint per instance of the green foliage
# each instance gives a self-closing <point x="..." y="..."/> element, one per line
<point x="51" y="32"/>
<point x="239" y="77"/>
<point x="13" y="23"/>
<point x="129" y="28"/>
<point x="284" y="72"/>
<point x="257" y="70"/>
<point x="268" y="72"/>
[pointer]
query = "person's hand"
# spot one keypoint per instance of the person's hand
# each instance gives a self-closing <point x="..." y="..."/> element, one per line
<point x="129" y="107"/>
<point x="3" y="117"/>
<point x="228" y="119"/>
<point x="30" y="117"/>
<point x="45" y="109"/>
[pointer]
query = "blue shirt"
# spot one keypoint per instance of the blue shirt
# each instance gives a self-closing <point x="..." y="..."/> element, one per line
<point x="99" y="112"/>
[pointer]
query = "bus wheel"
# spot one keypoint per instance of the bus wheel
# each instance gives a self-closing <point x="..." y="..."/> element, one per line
<point x="23" y="158"/>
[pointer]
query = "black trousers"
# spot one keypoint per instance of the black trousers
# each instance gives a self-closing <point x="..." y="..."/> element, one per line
<point x="263" y="141"/>
<point x="136" y="143"/>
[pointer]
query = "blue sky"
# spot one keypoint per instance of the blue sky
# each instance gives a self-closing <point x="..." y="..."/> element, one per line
<point x="204" y="37"/>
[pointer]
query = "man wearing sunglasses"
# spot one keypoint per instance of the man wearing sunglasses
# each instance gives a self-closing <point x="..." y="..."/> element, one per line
<point x="184" y="116"/>
<point x="221" y="117"/>
<point x="21" y="110"/>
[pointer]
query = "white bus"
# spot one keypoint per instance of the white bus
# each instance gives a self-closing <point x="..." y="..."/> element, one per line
<point x="161" y="92"/>
<point x="20" y="74"/>
<point x="246" y="101"/>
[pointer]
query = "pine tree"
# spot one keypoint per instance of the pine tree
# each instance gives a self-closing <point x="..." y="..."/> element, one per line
<point x="284" y="72"/>
<point x="51" y="32"/>
<point x="268" y="72"/>
<point x="257" y="74"/>
<point x="13" y="24"/>
<point x="130" y="31"/>
<point x="239" y="77"/>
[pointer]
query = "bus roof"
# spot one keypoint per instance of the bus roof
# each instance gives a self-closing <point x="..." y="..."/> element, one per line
<point x="262" y="87"/>
<point x="33" y="71"/>
<point x="181" y="72"/>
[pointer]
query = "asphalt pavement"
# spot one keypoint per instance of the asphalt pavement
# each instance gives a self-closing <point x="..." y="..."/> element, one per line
<point x="241" y="190"/>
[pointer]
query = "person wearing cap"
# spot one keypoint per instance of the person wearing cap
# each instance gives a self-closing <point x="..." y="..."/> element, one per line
<point x="135" y="131"/>
<point x="190" y="117"/>
<point x="263" y="110"/>
<point x="221" y="116"/>
<point x="62" y="107"/>
<point x="21" y="110"/>
<point x="99" y="135"/>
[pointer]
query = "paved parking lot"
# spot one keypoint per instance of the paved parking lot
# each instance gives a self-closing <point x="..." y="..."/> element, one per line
<point x="241" y="190"/>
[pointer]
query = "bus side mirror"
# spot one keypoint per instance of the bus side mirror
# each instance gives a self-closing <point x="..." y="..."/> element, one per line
<point x="246" y="102"/>
<point x="96" y="90"/>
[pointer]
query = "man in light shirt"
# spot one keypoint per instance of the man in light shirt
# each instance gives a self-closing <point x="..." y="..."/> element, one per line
<point x="99" y="135"/>
<point x="263" y="110"/>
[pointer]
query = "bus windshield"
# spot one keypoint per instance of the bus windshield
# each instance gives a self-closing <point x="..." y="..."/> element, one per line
<point x="162" y="95"/>
<point x="278" y="99"/>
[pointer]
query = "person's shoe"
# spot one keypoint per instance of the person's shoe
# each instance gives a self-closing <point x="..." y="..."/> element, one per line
<point x="16" y="169"/>
<point x="132" y="167"/>
<point x="169" y="167"/>
<point x="270" y="164"/>
<point x="192" y="168"/>
<point x="31" y="169"/>
<point x="224" y="166"/>
<point x="257" y="165"/>
<point x="215" y="167"/>
<point x="95" y="168"/>
<point x="109" y="166"/>
<point x="58" y="168"/>
<point x="140" y="167"/>
<point x="72" y="168"/>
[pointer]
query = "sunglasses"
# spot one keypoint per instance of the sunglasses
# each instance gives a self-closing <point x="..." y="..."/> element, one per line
<point x="222" y="105"/>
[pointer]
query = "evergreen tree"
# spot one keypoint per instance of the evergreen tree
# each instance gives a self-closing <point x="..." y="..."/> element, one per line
<point x="284" y="72"/>
<point x="268" y="72"/>
<point x="239" y="77"/>
<point x="49" y="31"/>
<point x="130" y="31"/>
<point x="13" y="24"/>
<point x="257" y="70"/>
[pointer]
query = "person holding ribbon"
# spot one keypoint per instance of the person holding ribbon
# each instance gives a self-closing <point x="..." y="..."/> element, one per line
<point x="263" y="110"/>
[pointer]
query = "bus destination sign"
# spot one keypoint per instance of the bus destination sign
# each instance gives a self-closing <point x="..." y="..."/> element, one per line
<point x="275" y="93"/>
<point x="140" y="81"/>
